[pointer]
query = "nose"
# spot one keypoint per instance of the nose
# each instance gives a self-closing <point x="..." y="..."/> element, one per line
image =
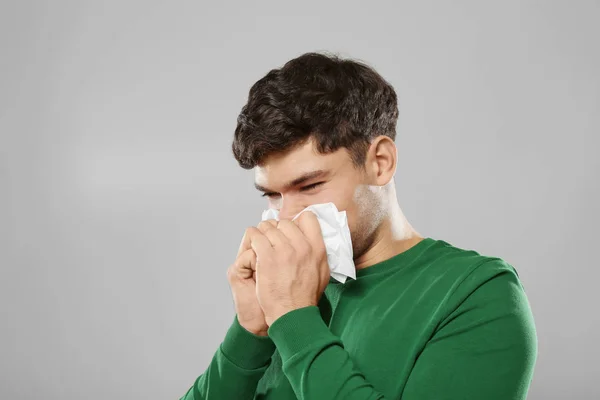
<point x="289" y="209"/>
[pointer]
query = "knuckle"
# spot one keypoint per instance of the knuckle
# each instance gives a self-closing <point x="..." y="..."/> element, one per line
<point x="289" y="252"/>
<point x="307" y="215"/>
<point x="285" y="224"/>
<point x="237" y="264"/>
<point x="264" y="226"/>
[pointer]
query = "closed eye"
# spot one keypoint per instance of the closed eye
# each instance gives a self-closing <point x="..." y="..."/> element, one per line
<point x="310" y="187"/>
<point x="302" y="189"/>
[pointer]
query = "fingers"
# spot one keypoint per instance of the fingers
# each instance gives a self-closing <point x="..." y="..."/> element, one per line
<point x="254" y="244"/>
<point x="261" y="240"/>
<point x="245" y="265"/>
<point x="270" y="221"/>
<point x="258" y="242"/>
<point x="309" y="225"/>
<point x="245" y="243"/>
<point x="276" y="237"/>
<point x="291" y="231"/>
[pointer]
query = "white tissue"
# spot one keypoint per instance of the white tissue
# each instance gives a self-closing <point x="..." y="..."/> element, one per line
<point x="336" y="235"/>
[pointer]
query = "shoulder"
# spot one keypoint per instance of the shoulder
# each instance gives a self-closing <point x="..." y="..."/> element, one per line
<point x="475" y="281"/>
<point x="464" y="269"/>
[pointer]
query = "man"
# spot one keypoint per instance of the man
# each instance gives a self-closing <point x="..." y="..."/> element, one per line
<point x="423" y="319"/>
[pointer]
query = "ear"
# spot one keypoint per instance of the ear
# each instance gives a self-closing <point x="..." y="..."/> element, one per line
<point x="382" y="158"/>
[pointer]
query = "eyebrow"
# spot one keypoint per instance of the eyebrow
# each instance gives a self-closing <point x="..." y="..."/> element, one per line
<point x="296" y="182"/>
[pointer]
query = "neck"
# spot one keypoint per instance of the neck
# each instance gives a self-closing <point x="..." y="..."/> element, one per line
<point x="394" y="236"/>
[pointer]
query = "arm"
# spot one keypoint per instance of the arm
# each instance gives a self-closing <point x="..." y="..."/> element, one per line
<point x="315" y="361"/>
<point x="485" y="349"/>
<point x="236" y="367"/>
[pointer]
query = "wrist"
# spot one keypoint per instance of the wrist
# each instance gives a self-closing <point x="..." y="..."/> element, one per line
<point x="254" y="329"/>
<point x="279" y="312"/>
<point x="245" y="349"/>
<point x="263" y="332"/>
<point x="300" y="330"/>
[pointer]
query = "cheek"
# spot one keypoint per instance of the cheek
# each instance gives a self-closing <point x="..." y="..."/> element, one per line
<point x="342" y="197"/>
<point x="354" y="220"/>
<point x="345" y="199"/>
<point x="361" y="208"/>
<point x="362" y="198"/>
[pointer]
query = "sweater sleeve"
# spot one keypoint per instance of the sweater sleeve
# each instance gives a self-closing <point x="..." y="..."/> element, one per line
<point x="236" y="367"/>
<point x="485" y="350"/>
<point x="314" y="359"/>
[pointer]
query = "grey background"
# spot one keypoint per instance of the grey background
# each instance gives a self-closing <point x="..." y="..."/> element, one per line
<point x="121" y="206"/>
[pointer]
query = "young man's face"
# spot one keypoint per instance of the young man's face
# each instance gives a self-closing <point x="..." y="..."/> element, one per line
<point x="301" y="177"/>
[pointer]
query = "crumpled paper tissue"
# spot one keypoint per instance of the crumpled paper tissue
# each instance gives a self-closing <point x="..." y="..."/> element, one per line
<point x="336" y="235"/>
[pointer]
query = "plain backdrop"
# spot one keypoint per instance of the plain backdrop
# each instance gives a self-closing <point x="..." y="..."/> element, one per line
<point x="121" y="206"/>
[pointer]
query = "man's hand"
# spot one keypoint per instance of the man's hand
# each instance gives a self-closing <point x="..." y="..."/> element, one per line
<point x="242" y="279"/>
<point x="291" y="265"/>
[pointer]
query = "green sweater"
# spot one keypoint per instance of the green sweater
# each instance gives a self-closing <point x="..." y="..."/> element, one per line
<point x="434" y="322"/>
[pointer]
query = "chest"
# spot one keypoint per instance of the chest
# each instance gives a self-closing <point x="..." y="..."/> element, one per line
<point x="383" y="339"/>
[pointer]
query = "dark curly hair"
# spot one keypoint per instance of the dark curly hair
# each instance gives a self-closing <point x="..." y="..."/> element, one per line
<point x="338" y="102"/>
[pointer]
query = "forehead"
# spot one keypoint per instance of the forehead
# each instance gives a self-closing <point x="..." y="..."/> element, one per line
<point x="280" y="168"/>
